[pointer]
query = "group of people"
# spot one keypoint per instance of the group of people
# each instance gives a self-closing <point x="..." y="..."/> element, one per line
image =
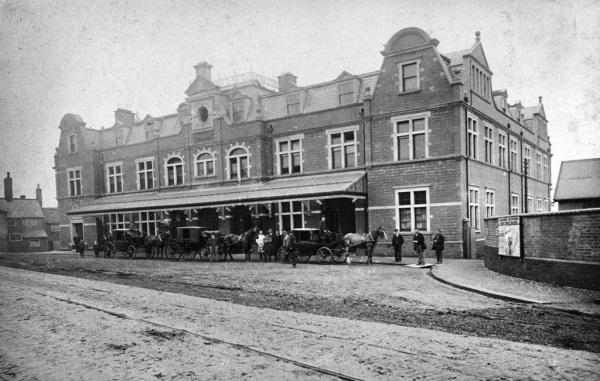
<point x="269" y="245"/>
<point x="419" y="246"/>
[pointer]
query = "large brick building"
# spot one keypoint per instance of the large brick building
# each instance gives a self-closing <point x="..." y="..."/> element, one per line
<point x="424" y="142"/>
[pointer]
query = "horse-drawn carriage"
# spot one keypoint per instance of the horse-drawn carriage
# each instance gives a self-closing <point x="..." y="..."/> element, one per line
<point x="128" y="241"/>
<point x="333" y="248"/>
<point x="192" y="240"/>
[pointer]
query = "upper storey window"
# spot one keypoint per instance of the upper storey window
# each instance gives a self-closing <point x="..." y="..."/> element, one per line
<point x="488" y="148"/>
<point x="514" y="155"/>
<point x="174" y="171"/>
<point x="237" y="111"/>
<point x="293" y="103"/>
<point x="114" y="178"/>
<point x="205" y="164"/>
<point x="480" y="82"/>
<point x="342" y="147"/>
<point x="346" y="93"/>
<point x="149" y="132"/>
<point x="472" y="136"/>
<point x="238" y="164"/>
<point x="74" y="175"/>
<point x="409" y="76"/>
<point x="410" y="136"/>
<point x="119" y="137"/>
<point x="145" y="174"/>
<point x="501" y="150"/>
<point x="72" y="144"/>
<point x="289" y="154"/>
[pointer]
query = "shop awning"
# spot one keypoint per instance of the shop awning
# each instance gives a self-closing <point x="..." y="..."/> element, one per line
<point x="334" y="185"/>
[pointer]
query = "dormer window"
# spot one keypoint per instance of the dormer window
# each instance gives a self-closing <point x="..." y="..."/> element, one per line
<point x="149" y="132"/>
<point x="409" y="76"/>
<point x="119" y="137"/>
<point x="346" y="93"/>
<point x="202" y="114"/>
<point x="293" y="103"/>
<point x="237" y="111"/>
<point x="480" y="82"/>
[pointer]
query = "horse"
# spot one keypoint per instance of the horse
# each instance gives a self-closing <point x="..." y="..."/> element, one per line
<point x="370" y="240"/>
<point x="246" y="239"/>
<point x="158" y="241"/>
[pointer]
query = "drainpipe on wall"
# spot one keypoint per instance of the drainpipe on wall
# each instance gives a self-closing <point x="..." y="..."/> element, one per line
<point x="509" y="173"/>
<point x="466" y="237"/>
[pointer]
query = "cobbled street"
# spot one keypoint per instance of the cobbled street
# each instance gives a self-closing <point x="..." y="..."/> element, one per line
<point x="118" y="319"/>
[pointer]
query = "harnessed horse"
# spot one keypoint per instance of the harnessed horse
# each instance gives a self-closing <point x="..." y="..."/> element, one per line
<point x="158" y="241"/>
<point x="246" y="239"/>
<point x="370" y="240"/>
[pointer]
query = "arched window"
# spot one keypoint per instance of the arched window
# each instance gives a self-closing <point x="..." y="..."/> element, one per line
<point x="174" y="171"/>
<point x="205" y="165"/>
<point x="238" y="164"/>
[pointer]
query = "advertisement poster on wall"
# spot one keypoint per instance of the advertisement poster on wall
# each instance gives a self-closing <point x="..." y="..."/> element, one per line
<point x="509" y="240"/>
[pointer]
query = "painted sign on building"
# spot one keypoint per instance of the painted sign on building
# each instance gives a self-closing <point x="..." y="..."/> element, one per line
<point x="509" y="239"/>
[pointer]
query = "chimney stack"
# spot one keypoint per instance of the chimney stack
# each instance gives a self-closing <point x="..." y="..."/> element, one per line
<point x="124" y="117"/>
<point x="203" y="70"/>
<point x="8" y="189"/>
<point x="286" y="82"/>
<point x="38" y="195"/>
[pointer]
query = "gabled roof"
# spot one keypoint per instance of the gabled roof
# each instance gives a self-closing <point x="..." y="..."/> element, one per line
<point x="51" y="215"/>
<point x="22" y="208"/>
<point x="578" y="179"/>
<point x="529" y="112"/>
<point x="201" y="84"/>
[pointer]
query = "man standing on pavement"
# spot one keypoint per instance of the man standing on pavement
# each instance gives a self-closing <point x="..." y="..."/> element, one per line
<point x="277" y="240"/>
<point x="79" y="245"/>
<point x="397" y="242"/>
<point x="438" y="245"/>
<point x="419" y="246"/>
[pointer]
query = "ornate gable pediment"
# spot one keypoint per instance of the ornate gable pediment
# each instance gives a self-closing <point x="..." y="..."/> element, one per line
<point x="200" y="85"/>
<point x="345" y="76"/>
<point x="479" y="55"/>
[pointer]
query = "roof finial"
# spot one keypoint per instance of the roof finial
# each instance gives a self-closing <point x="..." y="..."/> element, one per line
<point x="540" y="99"/>
<point x="477" y="34"/>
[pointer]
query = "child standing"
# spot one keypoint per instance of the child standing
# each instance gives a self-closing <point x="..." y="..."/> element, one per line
<point x="260" y="242"/>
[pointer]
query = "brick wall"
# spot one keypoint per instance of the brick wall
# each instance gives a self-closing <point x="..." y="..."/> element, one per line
<point x="559" y="247"/>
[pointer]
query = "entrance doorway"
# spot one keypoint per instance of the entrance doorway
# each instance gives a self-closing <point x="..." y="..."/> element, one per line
<point x="77" y="229"/>
<point x="241" y="221"/>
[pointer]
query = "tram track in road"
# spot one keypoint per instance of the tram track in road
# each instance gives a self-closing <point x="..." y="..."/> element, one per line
<point x="242" y="347"/>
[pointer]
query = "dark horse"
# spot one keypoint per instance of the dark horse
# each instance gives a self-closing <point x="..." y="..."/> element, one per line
<point x="370" y="240"/>
<point x="159" y="242"/>
<point x="245" y="239"/>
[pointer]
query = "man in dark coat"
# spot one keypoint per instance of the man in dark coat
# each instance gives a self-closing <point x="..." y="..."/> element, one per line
<point x="79" y="245"/>
<point x="268" y="245"/>
<point x="397" y="242"/>
<point x="277" y="240"/>
<point x="438" y="245"/>
<point x="289" y="242"/>
<point x="323" y="230"/>
<point x="419" y="246"/>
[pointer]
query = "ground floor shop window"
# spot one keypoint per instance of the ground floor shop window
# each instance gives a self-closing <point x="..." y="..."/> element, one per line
<point x="291" y="215"/>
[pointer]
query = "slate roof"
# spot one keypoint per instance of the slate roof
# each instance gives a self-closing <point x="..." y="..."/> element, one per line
<point x="578" y="179"/>
<point x="303" y="187"/>
<point x="22" y="208"/>
<point x="30" y="232"/>
<point x="51" y="215"/>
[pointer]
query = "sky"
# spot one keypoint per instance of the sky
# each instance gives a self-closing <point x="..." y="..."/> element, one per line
<point x="90" y="57"/>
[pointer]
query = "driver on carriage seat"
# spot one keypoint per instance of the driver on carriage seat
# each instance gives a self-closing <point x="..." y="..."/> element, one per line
<point x="324" y="232"/>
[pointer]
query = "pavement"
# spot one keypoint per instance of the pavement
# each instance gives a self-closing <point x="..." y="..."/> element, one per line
<point x="471" y="275"/>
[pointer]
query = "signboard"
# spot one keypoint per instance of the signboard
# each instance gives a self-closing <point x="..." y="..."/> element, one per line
<point x="509" y="239"/>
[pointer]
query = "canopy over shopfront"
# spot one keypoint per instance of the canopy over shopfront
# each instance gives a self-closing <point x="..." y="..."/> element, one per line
<point x="335" y="185"/>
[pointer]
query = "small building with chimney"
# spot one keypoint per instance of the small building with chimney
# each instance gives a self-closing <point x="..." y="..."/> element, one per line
<point x="425" y="142"/>
<point x="22" y="222"/>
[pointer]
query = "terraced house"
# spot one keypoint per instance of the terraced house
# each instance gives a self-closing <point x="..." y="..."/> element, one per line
<point x="425" y="142"/>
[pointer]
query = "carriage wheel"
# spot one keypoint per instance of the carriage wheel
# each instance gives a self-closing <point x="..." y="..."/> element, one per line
<point x="131" y="251"/>
<point x="188" y="255"/>
<point x="282" y="255"/>
<point x="109" y="250"/>
<point x="322" y="254"/>
<point x="173" y="252"/>
<point x="339" y="256"/>
<point x="204" y="254"/>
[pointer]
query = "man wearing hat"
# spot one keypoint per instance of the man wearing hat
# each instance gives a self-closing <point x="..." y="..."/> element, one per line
<point x="397" y="242"/>
<point x="267" y="242"/>
<point x="289" y="242"/>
